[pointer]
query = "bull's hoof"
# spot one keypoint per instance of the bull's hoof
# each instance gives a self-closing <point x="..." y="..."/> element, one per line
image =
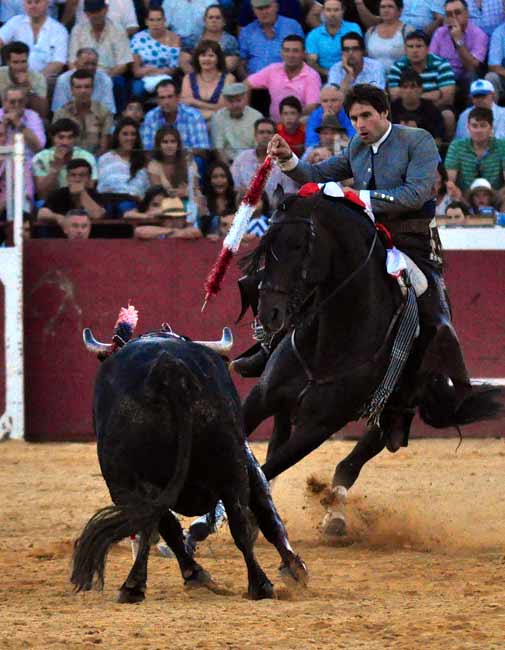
<point x="259" y="592"/>
<point x="334" y="525"/>
<point x="294" y="574"/>
<point x="127" y="595"/>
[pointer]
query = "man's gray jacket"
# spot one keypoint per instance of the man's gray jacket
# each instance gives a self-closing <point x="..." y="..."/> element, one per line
<point x="404" y="168"/>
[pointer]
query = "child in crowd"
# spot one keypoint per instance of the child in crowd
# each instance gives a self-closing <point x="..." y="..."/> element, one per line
<point x="290" y="126"/>
<point x="456" y="212"/>
<point x="150" y="206"/>
<point x="134" y="110"/>
<point x="482" y="197"/>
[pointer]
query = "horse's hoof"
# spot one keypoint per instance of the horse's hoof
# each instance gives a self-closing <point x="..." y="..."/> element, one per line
<point x="200" y="578"/>
<point x="126" y="595"/>
<point x="295" y="573"/>
<point x="339" y="493"/>
<point x="334" y="525"/>
<point x="264" y="590"/>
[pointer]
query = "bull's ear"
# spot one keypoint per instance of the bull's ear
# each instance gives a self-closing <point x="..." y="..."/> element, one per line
<point x="278" y="197"/>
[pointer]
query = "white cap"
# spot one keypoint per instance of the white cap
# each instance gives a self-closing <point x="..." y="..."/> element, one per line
<point x="480" y="184"/>
<point x="481" y="87"/>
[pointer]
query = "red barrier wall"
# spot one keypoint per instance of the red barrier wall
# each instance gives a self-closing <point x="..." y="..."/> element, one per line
<point x="70" y="285"/>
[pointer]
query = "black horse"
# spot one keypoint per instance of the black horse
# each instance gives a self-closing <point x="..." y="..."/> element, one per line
<point x="323" y="372"/>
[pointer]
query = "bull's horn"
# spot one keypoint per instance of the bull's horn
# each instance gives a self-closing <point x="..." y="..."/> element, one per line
<point x="92" y="344"/>
<point x="223" y="346"/>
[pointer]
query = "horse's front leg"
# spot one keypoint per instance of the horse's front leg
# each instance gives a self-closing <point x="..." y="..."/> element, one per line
<point x="347" y="471"/>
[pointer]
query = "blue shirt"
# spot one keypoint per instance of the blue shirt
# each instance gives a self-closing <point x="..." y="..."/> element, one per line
<point x="496" y="54"/>
<point x="314" y="121"/>
<point x="327" y="47"/>
<point x="288" y="8"/>
<point x="189" y="122"/>
<point x="257" y="50"/>
<point x="420" y="13"/>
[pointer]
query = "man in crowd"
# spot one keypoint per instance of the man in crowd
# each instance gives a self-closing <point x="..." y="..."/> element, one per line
<point x="246" y="163"/>
<point x="332" y="139"/>
<point x="78" y="194"/>
<point x="412" y="110"/>
<point x="76" y="224"/>
<point x="121" y="13"/>
<point x="323" y="43"/>
<point x="291" y="77"/>
<point x="425" y="16"/>
<point x="482" y="95"/>
<point x="110" y="42"/>
<point x="461" y="42"/>
<point x="50" y="165"/>
<point x="16" y="73"/>
<point x="46" y="38"/>
<point x="86" y="59"/>
<point x="439" y="84"/>
<point x="19" y="119"/>
<point x="355" y="67"/>
<point x="331" y="99"/>
<point x="171" y="112"/>
<point x="95" y="122"/>
<point x="232" y="127"/>
<point x="479" y="156"/>
<point x="260" y="41"/>
<point x="289" y="8"/>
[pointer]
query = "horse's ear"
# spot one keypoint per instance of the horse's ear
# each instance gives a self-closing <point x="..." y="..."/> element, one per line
<point x="278" y="197"/>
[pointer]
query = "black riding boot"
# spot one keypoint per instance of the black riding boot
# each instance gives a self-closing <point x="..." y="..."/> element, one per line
<point x="252" y="365"/>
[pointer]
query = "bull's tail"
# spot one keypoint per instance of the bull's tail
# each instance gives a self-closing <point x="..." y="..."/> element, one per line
<point x="170" y="379"/>
<point x="439" y="406"/>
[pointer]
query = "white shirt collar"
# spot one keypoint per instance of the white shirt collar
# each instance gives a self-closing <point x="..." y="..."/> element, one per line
<point x="376" y="145"/>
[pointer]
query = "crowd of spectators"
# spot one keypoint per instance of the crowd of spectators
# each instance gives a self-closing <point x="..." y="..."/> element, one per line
<point x="156" y="114"/>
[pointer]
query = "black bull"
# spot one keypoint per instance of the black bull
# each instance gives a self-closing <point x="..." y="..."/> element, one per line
<point x="327" y="252"/>
<point x="170" y="438"/>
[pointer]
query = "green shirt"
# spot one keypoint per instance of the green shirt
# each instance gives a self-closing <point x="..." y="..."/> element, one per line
<point x="462" y="158"/>
<point x="41" y="164"/>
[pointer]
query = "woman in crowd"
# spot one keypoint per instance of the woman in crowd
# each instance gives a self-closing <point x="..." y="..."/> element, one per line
<point x="219" y="201"/>
<point x="203" y="88"/>
<point x="213" y="30"/>
<point x="172" y="168"/>
<point x="156" y="52"/>
<point x="385" y="42"/>
<point x="122" y="171"/>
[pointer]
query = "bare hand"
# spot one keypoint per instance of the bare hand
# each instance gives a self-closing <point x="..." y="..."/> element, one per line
<point x="21" y="79"/>
<point x="453" y="190"/>
<point x="346" y="65"/>
<point x="456" y="32"/>
<point x="279" y="149"/>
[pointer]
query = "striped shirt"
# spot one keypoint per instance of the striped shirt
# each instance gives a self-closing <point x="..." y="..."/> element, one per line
<point x="462" y="158"/>
<point x="437" y="74"/>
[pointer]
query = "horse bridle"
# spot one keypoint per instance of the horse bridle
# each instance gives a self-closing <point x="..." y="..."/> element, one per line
<point x="266" y="286"/>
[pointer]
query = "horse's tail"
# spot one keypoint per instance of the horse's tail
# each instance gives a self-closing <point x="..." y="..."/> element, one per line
<point x="147" y="504"/>
<point x="439" y="406"/>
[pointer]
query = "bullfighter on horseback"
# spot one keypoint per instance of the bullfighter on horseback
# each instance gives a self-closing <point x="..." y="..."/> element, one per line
<point x="394" y="171"/>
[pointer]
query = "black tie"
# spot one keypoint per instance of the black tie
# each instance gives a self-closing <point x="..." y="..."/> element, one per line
<point x="371" y="182"/>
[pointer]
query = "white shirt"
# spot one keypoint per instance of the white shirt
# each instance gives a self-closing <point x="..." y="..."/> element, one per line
<point x="51" y="45"/>
<point x="121" y="12"/>
<point x="185" y="17"/>
<point x="10" y="8"/>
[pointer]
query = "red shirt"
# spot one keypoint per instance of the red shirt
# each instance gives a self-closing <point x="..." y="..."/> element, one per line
<point x="295" y="140"/>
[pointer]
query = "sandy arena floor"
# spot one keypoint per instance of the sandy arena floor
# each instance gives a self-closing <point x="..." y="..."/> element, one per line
<point x="424" y="566"/>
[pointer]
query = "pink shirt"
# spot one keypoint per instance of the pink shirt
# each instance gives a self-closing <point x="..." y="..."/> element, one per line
<point x="305" y="85"/>
<point x="474" y="38"/>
